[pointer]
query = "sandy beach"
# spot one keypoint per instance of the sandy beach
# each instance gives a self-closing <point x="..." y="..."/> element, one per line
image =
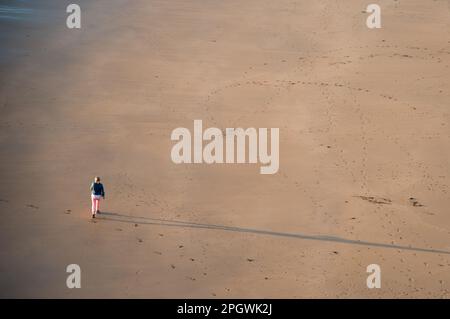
<point x="363" y="178"/>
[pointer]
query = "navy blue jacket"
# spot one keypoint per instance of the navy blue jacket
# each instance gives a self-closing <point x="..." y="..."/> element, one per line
<point x="97" y="189"/>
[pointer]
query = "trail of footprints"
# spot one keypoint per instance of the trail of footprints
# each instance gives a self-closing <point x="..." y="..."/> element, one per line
<point x="430" y="55"/>
<point x="279" y="85"/>
<point x="149" y="200"/>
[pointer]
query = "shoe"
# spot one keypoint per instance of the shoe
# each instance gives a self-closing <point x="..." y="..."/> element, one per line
<point x="98" y="212"/>
<point x="93" y="215"/>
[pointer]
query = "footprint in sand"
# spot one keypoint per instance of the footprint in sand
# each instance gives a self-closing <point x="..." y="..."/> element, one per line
<point x="414" y="202"/>
<point x="376" y="200"/>
<point x="32" y="206"/>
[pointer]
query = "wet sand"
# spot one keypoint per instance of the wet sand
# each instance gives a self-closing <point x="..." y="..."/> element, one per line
<point x="364" y="157"/>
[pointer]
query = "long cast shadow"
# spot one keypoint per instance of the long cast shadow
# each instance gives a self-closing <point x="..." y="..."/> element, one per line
<point x="184" y="224"/>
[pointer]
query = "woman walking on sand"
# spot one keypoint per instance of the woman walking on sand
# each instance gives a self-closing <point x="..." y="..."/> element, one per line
<point x="97" y="192"/>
